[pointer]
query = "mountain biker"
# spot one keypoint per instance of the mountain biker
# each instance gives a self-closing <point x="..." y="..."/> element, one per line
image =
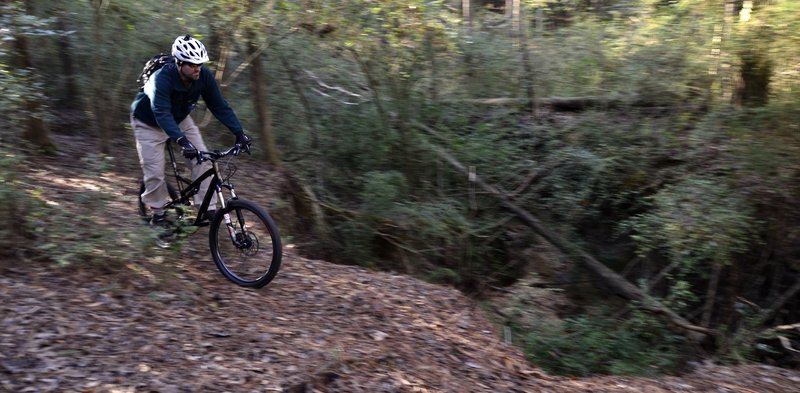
<point x="161" y="111"/>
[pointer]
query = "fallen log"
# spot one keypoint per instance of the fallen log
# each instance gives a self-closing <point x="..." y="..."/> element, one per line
<point x="618" y="284"/>
<point x="557" y="103"/>
<point x="574" y="104"/>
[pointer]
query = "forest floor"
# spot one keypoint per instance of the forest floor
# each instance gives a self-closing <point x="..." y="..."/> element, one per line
<point x="171" y="323"/>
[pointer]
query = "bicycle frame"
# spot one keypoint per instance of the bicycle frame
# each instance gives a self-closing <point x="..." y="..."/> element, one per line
<point x="188" y="188"/>
<point x="253" y="240"/>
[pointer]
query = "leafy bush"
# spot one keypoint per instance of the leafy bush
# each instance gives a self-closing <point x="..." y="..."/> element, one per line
<point x="586" y="345"/>
<point x="695" y="223"/>
<point x="355" y="243"/>
<point x="65" y="239"/>
<point x="36" y="228"/>
<point x="382" y="190"/>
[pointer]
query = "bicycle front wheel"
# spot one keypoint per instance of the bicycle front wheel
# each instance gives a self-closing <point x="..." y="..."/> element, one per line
<point x="245" y="244"/>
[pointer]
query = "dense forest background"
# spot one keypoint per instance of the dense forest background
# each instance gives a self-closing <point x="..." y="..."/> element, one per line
<point x="652" y="143"/>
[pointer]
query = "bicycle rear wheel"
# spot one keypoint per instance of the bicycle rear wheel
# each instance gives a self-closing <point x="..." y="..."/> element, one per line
<point x="247" y="251"/>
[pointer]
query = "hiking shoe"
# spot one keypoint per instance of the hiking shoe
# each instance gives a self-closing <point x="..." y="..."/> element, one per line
<point x="161" y="222"/>
<point x="210" y="213"/>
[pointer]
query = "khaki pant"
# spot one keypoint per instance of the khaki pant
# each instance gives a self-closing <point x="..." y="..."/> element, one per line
<point x="150" y="143"/>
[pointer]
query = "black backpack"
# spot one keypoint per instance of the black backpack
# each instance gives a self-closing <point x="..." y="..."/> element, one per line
<point x="154" y="64"/>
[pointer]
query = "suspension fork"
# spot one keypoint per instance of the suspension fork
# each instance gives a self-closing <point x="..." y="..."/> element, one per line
<point x="219" y="184"/>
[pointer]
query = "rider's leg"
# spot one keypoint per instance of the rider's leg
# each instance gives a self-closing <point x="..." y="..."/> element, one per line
<point x="150" y="143"/>
<point x="192" y="133"/>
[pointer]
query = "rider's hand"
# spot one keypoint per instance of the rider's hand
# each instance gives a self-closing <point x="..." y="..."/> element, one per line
<point x="188" y="149"/>
<point x="244" y="141"/>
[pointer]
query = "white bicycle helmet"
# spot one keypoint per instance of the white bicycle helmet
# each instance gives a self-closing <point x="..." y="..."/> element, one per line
<point x="185" y="48"/>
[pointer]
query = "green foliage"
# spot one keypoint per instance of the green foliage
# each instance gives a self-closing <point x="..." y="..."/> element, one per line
<point x="34" y="227"/>
<point x="694" y="224"/>
<point x="661" y="156"/>
<point x="356" y="242"/>
<point x="19" y="85"/>
<point x="62" y="238"/>
<point x="572" y="182"/>
<point x="697" y="222"/>
<point x="587" y="345"/>
<point x="444" y="275"/>
<point x="382" y="190"/>
<point x="765" y="142"/>
<point x="466" y="252"/>
<point x="772" y="31"/>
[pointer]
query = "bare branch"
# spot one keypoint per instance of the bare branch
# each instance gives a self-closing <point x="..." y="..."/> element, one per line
<point x="325" y="85"/>
<point x="795" y="326"/>
<point x="787" y="344"/>
<point x="780" y="302"/>
<point x="335" y="90"/>
<point x="333" y="98"/>
<point x="246" y="63"/>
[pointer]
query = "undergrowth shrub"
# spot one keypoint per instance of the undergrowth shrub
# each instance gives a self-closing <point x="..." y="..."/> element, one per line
<point x="66" y="238"/>
<point x="382" y="190"/>
<point x="585" y="345"/>
<point x="695" y="224"/>
<point x="81" y="229"/>
<point x="354" y="242"/>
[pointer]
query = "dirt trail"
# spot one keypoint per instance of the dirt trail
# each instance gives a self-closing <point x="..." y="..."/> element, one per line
<point x="171" y="323"/>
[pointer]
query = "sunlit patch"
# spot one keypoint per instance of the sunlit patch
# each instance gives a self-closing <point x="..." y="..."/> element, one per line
<point x="142" y="272"/>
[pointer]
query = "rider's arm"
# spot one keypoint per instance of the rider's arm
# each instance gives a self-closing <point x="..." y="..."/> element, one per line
<point x="159" y="89"/>
<point x="217" y="104"/>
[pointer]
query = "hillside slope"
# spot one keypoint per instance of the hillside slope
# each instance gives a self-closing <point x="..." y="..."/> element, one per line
<point x="171" y="323"/>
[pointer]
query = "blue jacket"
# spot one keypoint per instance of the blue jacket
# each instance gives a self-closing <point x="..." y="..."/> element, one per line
<point x="165" y="101"/>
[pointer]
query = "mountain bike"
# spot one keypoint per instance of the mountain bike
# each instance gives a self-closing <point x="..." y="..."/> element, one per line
<point x="244" y="240"/>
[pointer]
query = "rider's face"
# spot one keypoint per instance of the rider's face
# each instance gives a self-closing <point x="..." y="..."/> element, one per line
<point x="190" y="72"/>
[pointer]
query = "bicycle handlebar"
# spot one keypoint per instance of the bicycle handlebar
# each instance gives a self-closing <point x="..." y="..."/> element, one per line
<point x="216" y="154"/>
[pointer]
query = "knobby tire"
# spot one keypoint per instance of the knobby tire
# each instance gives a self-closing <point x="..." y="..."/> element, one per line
<point x="255" y="260"/>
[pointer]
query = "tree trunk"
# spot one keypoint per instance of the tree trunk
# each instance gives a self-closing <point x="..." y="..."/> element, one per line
<point x="36" y="130"/>
<point x="220" y="41"/>
<point x="663" y="273"/>
<point x="260" y="104"/>
<point x="430" y="52"/>
<point x="756" y="67"/>
<point x="527" y="67"/>
<point x="308" y="115"/>
<point x="711" y="295"/>
<point x="725" y="70"/>
<point x="767" y="314"/>
<point x="100" y="98"/>
<point x="374" y="85"/>
<point x="71" y="98"/>
<point x="515" y="14"/>
<point x="754" y="76"/>
<point x="466" y="14"/>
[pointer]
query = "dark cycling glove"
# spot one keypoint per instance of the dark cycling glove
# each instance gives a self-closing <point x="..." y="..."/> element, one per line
<point x="244" y="141"/>
<point x="188" y="149"/>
